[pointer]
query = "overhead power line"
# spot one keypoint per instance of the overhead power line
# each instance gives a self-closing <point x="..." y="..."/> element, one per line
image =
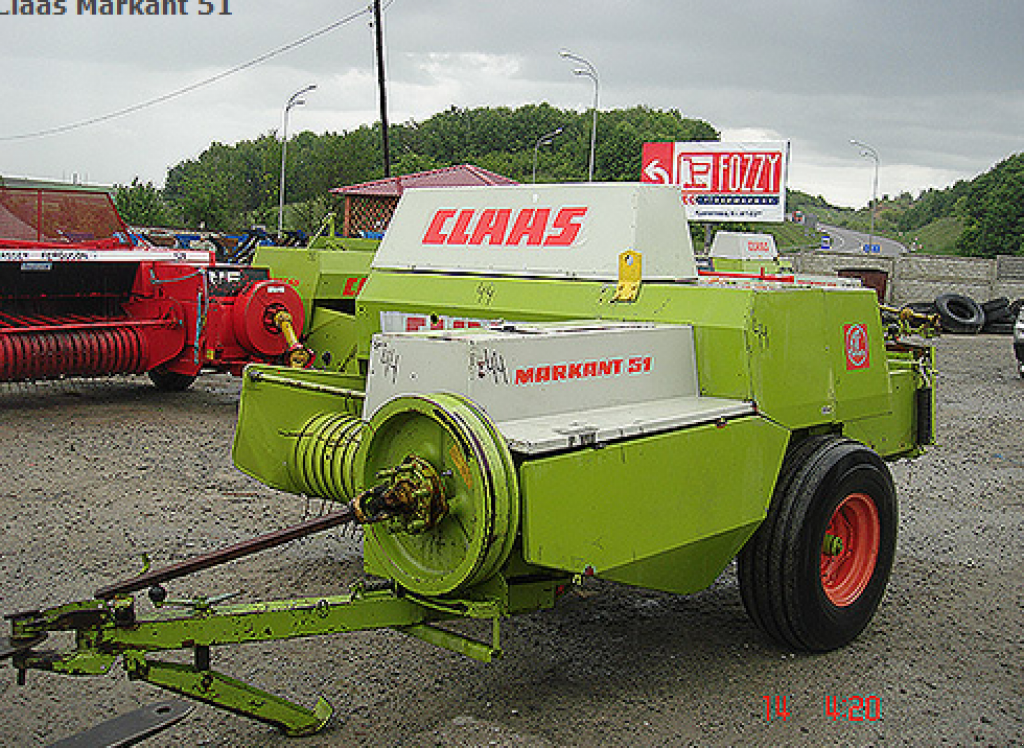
<point x="193" y="86"/>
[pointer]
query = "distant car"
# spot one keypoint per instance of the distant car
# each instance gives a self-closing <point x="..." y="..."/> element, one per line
<point x="1018" y="341"/>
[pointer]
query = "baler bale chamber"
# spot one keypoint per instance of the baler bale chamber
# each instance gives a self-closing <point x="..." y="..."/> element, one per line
<point x="548" y="391"/>
<point x="79" y="297"/>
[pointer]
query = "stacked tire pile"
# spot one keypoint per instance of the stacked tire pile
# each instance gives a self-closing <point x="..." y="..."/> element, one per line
<point x="962" y="314"/>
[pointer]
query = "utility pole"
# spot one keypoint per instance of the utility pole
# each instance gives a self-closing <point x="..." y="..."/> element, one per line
<point x="379" y="33"/>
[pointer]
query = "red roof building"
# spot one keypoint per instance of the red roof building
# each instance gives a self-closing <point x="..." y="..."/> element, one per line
<point x="368" y="207"/>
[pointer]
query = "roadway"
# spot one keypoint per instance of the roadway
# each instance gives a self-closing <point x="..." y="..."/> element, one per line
<point x="846" y="241"/>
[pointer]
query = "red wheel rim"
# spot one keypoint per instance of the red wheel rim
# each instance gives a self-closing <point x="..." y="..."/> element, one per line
<point x="849" y="549"/>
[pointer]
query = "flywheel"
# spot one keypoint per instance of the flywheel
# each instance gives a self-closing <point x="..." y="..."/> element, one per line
<point x="472" y="533"/>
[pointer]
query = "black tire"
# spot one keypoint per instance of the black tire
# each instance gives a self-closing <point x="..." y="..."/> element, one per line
<point x="995" y="306"/>
<point x="780" y="567"/>
<point x="997" y="310"/>
<point x="998" y="328"/>
<point x="959" y="313"/>
<point x="1015" y="308"/>
<point x="1000" y="316"/>
<point x="170" y="381"/>
<point x="922" y="307"/>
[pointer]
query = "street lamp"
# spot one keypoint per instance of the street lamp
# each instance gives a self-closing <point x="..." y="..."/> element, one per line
<point x="587" y="71"/>
<point x="869" y="152"/>
<point x="295" y="100"/>
<point x="543" y="140"/>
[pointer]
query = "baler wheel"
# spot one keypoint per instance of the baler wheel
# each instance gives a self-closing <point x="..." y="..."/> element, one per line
<point x="814" y="573"/>
<point x="170" y="381"/>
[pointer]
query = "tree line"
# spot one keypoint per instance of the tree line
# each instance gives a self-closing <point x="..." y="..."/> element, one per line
<point x="232" y="187"/>
<point x="988" y="211"/>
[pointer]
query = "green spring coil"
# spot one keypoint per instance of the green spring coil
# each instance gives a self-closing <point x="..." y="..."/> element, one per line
<point x="323" y="464"/>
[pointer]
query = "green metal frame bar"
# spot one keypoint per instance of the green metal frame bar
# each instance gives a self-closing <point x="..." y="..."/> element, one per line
<point x="108" y="629"/>
<point x="221" y="691"/>
<point x="271" y="621"/>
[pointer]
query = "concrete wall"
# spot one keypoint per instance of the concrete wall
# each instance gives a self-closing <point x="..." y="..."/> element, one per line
<point x="923" y="277"/>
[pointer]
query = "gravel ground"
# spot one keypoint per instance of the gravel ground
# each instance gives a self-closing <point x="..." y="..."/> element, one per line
<point x="93" y="474"/>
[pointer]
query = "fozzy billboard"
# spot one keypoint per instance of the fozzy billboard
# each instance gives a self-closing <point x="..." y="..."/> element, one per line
<point x="723" y="181"/>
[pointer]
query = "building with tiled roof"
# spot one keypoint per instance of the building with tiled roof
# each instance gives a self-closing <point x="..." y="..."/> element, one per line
<point x="368" y="207"/>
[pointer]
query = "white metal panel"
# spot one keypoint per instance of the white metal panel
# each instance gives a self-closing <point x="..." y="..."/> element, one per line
<point x="561" y="231"/>
<point x="555" y="386"/>
<point x="537" y="370"/>
<point x="552" y="433"/>
<point x="743" y="246"/>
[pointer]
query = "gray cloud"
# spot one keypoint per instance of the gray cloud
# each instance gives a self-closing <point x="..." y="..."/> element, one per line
<point x="934" y="87"/>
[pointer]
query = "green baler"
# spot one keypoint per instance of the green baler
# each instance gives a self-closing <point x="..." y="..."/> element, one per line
<point x="543" y="388"/>
<point x="328" y="275"/>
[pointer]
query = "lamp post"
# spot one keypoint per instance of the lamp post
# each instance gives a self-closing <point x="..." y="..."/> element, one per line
<point x="295" y="100"/>
<point x="587" y="71"/>
<point x="543" y="140"/>
<point x="869" y="152"/>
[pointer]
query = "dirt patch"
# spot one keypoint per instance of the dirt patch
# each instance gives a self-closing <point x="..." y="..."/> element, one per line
<point x="94" y="474"/>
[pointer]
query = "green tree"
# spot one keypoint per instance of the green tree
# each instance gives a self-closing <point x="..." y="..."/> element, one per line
<point x="141" y="204"/>
<point x="309" y="215"/>
<point x="206" y="192"/>
<point x="232" y="187"/>
<point x="993" y="211"/>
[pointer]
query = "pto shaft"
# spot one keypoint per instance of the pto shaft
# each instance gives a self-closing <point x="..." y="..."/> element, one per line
<point x="230" y="553"/>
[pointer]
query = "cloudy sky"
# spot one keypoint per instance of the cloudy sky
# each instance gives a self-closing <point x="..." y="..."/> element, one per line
<point x="936" y="87"/>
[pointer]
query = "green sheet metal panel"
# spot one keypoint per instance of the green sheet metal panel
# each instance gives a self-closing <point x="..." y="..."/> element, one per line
<point x="666" y="512"/>
<point x="275" y="405"/>
<point x="892" y="433"/>
<point x="331" y="336"/>
<point x="299" y="267"/>
<point x="817" y="356"/>
<point x="327" y="276"/>
<point x="722" y="363"/>
<point x="854" y="335"/>
<point x="792" y="377"/>
<point x="342" y="274"/>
